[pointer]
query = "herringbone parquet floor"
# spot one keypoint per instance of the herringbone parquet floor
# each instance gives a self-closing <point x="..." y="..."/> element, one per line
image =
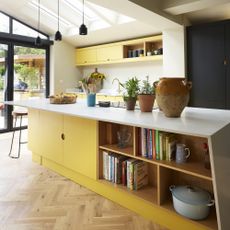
<point x="35" y="198"/>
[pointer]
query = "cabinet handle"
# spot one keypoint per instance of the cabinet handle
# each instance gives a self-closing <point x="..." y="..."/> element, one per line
<point x="63" y="136"/>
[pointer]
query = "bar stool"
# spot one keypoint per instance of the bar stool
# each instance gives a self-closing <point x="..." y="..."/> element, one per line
<point x="16" y="115"/>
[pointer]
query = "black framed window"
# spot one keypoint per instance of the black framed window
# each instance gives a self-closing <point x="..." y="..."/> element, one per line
<point x="24" y="67"/>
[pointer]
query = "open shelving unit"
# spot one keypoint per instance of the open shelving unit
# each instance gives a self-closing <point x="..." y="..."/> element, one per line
<point x="161" y="173"/>
<point x="134" y="50"/>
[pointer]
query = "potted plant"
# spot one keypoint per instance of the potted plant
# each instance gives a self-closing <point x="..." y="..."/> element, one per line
<point x="131" y="92"/>
<point x="146" y="96"/>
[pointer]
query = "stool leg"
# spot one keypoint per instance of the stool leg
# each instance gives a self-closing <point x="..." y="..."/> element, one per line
<point x="12" y="141"/>
<point x="19" y="141"/>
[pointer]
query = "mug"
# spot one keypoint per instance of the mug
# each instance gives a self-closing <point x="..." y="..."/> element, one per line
<point x="182" y="153"/>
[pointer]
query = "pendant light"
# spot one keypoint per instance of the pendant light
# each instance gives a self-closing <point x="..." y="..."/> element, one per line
<point x="58" y="36"/>
<point x="38" y="40"/>
<point x="83" y="29"/>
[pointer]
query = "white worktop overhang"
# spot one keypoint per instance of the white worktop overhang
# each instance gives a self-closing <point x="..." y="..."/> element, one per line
<point x="193" y="121"/>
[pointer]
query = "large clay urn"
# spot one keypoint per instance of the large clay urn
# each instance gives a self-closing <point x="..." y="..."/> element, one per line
<point x="172" y="95"/>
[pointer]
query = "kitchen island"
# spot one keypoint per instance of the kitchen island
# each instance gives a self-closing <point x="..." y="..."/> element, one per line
<point x="71" y="140"/>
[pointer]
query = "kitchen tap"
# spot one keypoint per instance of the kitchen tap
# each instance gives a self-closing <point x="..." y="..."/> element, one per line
<point x="116" y="79"/>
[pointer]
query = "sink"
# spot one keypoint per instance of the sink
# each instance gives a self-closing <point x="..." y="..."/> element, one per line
<point x="118" y="104"/>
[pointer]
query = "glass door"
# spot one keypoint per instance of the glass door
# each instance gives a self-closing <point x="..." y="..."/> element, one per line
<point x="29" y="74"/>
<point x="3" y="83"/>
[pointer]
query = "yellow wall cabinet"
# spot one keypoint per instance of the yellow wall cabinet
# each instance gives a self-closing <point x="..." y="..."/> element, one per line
<point x="110" y="53"/>
<point x="65" y="140"/>
<point x="86" y="56"/>
<point x="135" y="50"/>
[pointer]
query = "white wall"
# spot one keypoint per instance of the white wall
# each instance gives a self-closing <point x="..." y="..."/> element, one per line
<point x="174" y="52"/>
<point x="127" y="70"/>
<point x="63" y="71"/>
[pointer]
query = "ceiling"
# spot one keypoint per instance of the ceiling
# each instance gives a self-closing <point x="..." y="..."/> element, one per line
<point x="113" y="20"/>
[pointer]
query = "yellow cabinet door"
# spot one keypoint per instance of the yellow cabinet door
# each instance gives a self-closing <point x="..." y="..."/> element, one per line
<point x="52" y="136"/>
<point x="85" y="56"/>
<point x="80" y="145"/>
<point x="34" y="131"/>
<point x="109" y="53"/>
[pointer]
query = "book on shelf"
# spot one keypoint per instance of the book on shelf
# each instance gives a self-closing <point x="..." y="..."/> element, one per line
<point x="149" y="143"/>
<point x="140" y="177"/>
<point x="157" y="143"/>
<point x="170" y="143"/>
<point x="153" y="145"/>
<point x="118" y="168"/>
<point x="129" y="172"/>
<point x="162" y="147"/>
<point x="143" y="142"/>
<point x="124" y="172"/>
<point x="105" y="165"/>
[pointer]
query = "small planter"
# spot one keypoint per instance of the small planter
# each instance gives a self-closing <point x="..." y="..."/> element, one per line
<point x="146" y="102"/>
<point x="130" y="103"/>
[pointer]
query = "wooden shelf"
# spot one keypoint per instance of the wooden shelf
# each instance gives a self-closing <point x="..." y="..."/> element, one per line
<point x="192" y="168"/>
<point x="145" y="58"/>
<point x="114" y="148"/>
<point x="209" y="222"/>
<point x="147" y="193"/>
<point x="162" y="173"/>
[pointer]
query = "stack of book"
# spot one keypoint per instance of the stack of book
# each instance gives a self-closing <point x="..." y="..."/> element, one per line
<point x="157" y="145"/>
<point x="123" y="170"/>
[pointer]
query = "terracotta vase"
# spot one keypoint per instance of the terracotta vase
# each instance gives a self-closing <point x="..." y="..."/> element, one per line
<point x="172" y="95"/>
<point x="130" y="103"/>
<point x="146" y="102"/>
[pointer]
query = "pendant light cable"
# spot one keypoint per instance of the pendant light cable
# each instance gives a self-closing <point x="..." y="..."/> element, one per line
<point x="58" y="35"/>
<point x="58" y="15"/>
<point x="83" y="29"/>
<point x="83" y="12"/>
<point x="39" y="16"/>
<point x="38" y="39"/>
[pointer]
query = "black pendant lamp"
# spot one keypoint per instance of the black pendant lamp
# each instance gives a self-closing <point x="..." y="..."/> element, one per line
<point x="58" y="36"/>
<point x="38" y="40"/>
<point x="83" y="29"/>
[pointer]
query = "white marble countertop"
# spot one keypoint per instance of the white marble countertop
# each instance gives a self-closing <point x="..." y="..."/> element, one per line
<point x="193" y="121"/>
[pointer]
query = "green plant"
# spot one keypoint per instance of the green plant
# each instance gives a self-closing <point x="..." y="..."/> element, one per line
<point x="147" y="88"/>
<point x="132" y="88"/>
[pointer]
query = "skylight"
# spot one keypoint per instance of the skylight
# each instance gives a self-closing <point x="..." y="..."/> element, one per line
<point x="96" y="17"/>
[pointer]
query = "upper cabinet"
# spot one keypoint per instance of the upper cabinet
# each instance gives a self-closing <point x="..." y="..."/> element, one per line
<point x="86" y="56"/>
<point x="110" y="53"/>
<point x="143" y="49"/>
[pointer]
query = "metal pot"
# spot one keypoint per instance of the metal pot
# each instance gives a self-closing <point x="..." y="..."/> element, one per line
<point x="191" y="202"/>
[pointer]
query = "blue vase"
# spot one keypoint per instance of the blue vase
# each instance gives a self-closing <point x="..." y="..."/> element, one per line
<point x="91" y="99"/>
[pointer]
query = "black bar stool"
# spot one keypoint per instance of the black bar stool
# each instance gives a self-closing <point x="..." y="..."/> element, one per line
<point x="16" y="115"/>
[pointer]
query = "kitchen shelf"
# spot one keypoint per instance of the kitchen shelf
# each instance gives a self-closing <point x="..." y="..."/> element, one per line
<point x="162" y="173"/>
<point x="147" y="193"/>
<point x="128" y="151"/>
<point x="118" y="52"/>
